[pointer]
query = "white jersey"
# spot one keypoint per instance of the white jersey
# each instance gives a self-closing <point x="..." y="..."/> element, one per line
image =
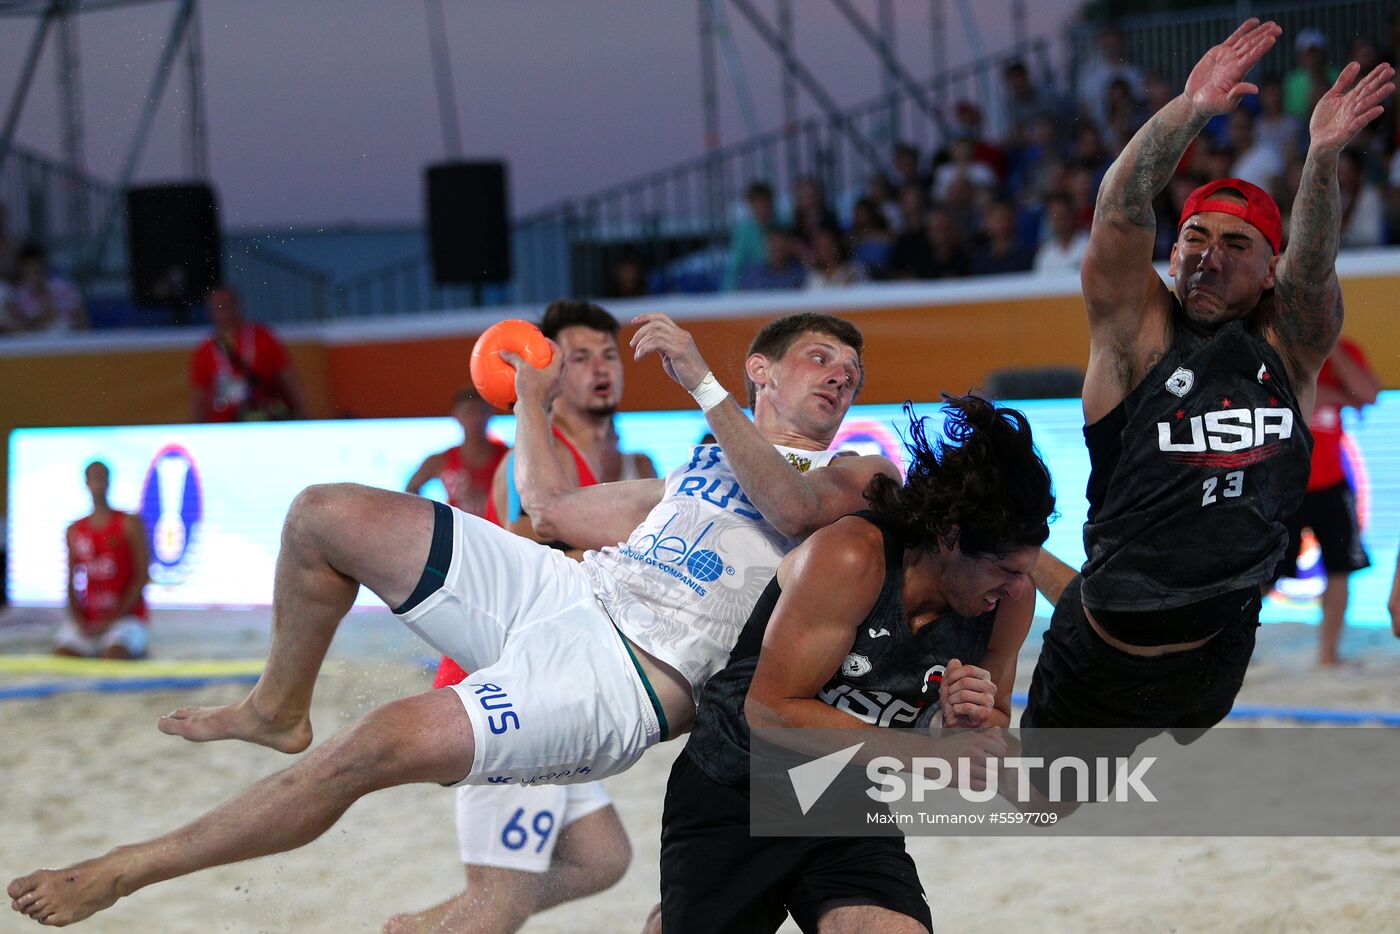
<point x="683" y="585"/>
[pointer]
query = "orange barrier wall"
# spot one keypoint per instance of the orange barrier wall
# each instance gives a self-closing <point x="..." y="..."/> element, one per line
<point x="916" y="346"/>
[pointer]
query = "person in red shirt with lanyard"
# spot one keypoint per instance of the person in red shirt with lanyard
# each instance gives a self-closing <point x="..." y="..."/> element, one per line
<point x="1329" y="506"/>
<point x="107" y="570"/>
<point x="468" y="469"/>
<point x="528" y="848"/>
<point x="242" y="372"/>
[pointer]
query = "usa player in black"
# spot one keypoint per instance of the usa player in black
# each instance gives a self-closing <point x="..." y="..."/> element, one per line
<point x="856" y="630"/>
<point x="1196" y="403"/>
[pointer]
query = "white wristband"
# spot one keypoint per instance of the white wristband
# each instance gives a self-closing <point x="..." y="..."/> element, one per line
<point x="709" y="393"/>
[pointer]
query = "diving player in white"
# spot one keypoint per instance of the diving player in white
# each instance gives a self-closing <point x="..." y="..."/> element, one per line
<point x="576" y="669"/>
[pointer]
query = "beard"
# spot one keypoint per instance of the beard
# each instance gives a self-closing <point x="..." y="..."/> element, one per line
<point x="608" y="408"/>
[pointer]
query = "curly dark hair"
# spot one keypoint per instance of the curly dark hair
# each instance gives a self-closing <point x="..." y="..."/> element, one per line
<point x="983" y="481"/>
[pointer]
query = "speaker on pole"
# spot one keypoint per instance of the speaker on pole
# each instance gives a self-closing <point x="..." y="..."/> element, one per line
<point x="469" y="223"/>
<point x="174" y="246"/>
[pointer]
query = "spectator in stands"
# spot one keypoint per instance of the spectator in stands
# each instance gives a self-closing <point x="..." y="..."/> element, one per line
<point x="810" y="212"/>
<point x="906" y="167"/>
<point x="1102" y="69"/>
<point x="42" y="300"/>
<point x="108" y="567"/>
<point x="241" y="372"/>
<point x="9" y="252"/>
<point x="947" y="252"/>
<point x="1329" y="506"/>
<point x="1363" y="205"/>
<point x="1310" y="78"/>
<point x="467" y="469"/>
<point x="910" y="249"/>
<point x="1367" y="53"/>
<point x="1392" y="209"/>
<point x="1124" y="112"/>
<point x="1083" y="189"/>
<point x="1032" y="162"/>
<point x="1256" y="162"/>
<point x="832" y="264"/>
<point x="1000" y="251"/>
<point x="967" y="125"/>
<point x="871" y="240"/>
<point x="1063" y="250"/>
<point x="748" y="245"/>
<point x="1090" y="152"/>
<point x="1025" y="102"/>
<point x="783" y="270"/>
<point x="628" y="278"/>
<point x="964" y="203"/>
<point x="882" y="194"/>
<point x="1274" y="128"/>
<point x="962" y="164"/>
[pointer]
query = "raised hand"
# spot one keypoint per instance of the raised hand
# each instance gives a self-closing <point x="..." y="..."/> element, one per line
<point x="679" y="355"/>
<point x="1217" y="83"/>
<point x="1349" y="105"/>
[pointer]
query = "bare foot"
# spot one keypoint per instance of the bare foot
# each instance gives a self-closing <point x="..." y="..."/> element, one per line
<point x="435" y="919"/>
<point x="238" y="721"/>
<point x="58" y="897"/>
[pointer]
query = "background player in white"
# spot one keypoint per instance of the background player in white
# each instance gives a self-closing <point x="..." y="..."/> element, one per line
<point x="578" y="668"/>
<point x="528" y="849"/>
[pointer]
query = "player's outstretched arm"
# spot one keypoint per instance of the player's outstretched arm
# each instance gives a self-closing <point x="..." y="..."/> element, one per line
<point x="794" y="503"/>
<point x="1051" y="576"/>
<point x="1119" y="283"/>
<point x="1308" y="298"/>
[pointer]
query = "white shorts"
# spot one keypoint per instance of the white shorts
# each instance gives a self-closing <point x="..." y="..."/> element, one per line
<point x="516" y="827"/>
<point x="554" y="696"/>
<point x="128" y="632"/>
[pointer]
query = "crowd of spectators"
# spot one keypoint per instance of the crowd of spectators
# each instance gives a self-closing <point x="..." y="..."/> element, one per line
<point x="1024" y="202"/>
<point x="33" y="297"/>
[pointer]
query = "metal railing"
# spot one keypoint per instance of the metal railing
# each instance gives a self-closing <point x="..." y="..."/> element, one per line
<point x="1170" y="44"/>
<point x="281" y="289"/>
<point x="52" y="204"/>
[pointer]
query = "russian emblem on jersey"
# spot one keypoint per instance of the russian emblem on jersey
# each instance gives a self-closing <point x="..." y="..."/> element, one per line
<point x="803" y="464"/>
<point x="1180" y="382"/>
<point x="855" y="665"/>
<point x="172" y="507"/>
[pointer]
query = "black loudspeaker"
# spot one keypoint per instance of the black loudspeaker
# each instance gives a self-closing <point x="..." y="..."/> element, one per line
<point x="173" y="242"/>
<point x="469" y="222"/>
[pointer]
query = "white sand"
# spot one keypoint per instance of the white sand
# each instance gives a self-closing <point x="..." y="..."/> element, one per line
<point x="84" y="772"/>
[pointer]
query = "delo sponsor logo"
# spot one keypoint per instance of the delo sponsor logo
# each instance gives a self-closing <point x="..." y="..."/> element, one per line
<point x="683" y="559"/>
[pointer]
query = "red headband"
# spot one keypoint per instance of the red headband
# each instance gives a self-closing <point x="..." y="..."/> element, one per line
<point x="1259" y="209"/>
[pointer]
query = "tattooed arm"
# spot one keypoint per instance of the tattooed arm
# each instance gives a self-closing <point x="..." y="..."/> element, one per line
<point x="1128" y="306"/>
<point x="1307" y="298"/>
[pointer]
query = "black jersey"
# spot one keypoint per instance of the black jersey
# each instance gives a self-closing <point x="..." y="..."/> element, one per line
<point x="1194" y="474"/>
<point x="890" y="677"/>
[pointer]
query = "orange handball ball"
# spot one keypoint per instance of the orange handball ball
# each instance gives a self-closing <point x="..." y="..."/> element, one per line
<point x="493" y="377"/>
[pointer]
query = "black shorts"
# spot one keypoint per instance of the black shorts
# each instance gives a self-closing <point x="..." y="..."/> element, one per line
<point x="716" y="877"/>
<point x="1331" y="514"/>
<point x="1082" y="681"/>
